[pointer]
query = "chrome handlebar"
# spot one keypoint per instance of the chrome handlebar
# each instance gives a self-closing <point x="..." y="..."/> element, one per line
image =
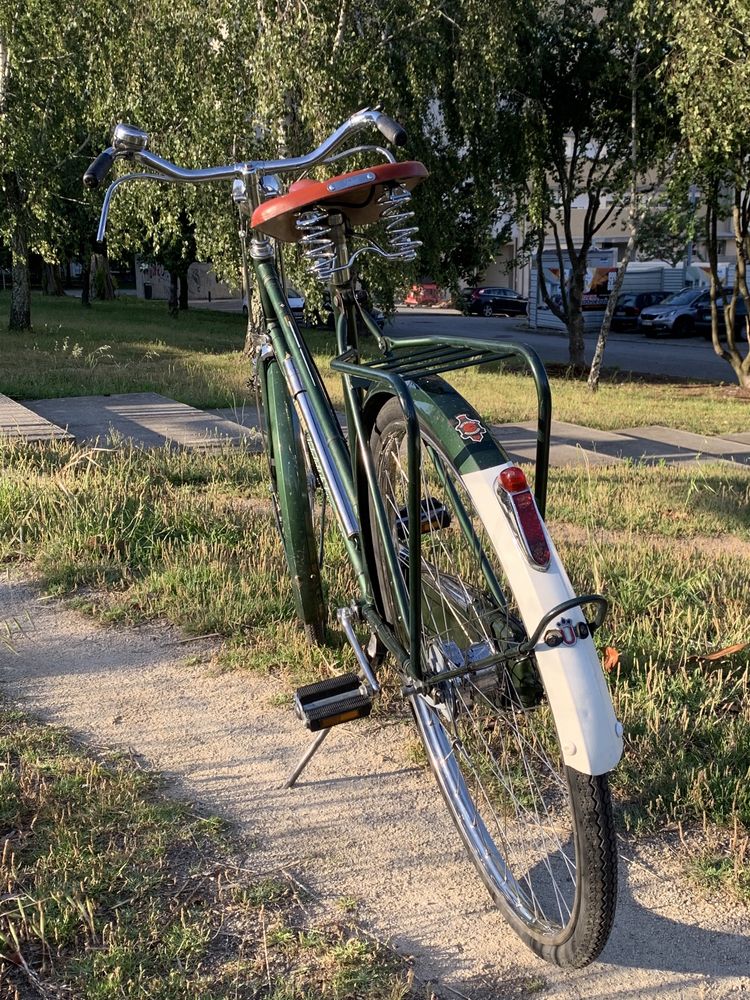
<point x="129" y="142"/>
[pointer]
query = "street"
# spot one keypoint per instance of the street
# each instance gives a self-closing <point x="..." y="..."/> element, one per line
<point x="690" y="357"/>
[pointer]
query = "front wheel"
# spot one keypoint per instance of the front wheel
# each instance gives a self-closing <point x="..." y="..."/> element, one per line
<point x="290" y="485"/>
<point x="540" y="834"/>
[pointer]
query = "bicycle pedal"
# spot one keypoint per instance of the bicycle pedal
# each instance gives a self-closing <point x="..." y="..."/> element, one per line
<point x="332" y="701"/>
<point x="433" y="515"/>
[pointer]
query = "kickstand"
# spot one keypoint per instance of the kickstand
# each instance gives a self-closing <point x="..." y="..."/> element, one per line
<point x="307" y="756"/>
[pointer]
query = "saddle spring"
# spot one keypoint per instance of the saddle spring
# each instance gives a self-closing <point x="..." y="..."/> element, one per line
<point x="319" y="248"/>
<point x="402" y="245"/>
<point x="317" y="244"/>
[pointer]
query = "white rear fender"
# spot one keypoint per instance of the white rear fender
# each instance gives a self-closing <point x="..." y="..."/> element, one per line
<point x="590" y="735"/>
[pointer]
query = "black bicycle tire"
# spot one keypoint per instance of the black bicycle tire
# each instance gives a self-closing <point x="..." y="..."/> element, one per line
<point x="592" y="915"/>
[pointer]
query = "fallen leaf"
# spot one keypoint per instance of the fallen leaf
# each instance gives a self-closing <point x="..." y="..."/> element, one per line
<point x="721" y="654"/>
<point x="610" y="659"/>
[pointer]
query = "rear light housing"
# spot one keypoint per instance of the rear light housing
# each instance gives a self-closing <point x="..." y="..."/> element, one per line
<point x="515" y="495"/>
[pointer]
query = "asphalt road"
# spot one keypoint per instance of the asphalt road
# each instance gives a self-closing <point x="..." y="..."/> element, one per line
<point x="689" y="357"/>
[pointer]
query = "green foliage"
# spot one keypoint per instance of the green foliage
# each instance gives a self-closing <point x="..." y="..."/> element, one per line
<point x="706" y="73"/>
<point x="584" y="67"/>
<point x="222" y="81"/>
<point x="664" y="231"/>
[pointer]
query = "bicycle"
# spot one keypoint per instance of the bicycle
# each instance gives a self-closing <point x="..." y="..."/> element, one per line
<point x="457" y="577"/>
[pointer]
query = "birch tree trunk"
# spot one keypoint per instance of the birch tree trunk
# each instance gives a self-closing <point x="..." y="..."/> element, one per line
<point x="633" y="223"/>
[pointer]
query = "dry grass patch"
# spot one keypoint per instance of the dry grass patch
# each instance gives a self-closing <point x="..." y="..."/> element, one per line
<point x="187" y="538"/>
<point x="112" y="892"/>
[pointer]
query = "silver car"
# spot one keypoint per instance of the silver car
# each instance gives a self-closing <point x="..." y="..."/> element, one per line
<point x="675" y="316"/>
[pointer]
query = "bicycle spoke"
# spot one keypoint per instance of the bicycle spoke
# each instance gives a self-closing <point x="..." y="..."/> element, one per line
<point x="488" y="729"/>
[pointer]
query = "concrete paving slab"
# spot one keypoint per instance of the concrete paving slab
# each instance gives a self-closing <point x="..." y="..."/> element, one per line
<point x="20" y="423"/>
<point x="703" y="445"/>
<point x="741" y="437"/>
<point x="620" y="445"/>
<point x="151" y="420"/>
<point x="573" y="443"/>
<point x="145" y="418"/>
<point x="519" y="441"/>
<point x="246" y="416"/>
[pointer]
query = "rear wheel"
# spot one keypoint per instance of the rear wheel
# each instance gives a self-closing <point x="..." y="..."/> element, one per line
<point x="291" y="481"/>
<point x="540" y="834"/>
<point x="487" y="309"/>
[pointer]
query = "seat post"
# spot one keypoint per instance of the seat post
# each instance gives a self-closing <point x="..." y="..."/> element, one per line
<point x="342" y="275"/>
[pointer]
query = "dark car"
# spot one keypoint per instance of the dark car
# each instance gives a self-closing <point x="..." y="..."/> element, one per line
<point x="703" y="319"/>
<point x="629" y="306"/>
<point x="675" y="316"/>
<point x="489" y="300"/>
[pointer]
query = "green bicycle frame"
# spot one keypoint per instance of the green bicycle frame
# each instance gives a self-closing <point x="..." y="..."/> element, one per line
<point x="407" y="372"/>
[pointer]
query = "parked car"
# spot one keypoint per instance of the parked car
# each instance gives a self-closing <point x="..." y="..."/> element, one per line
<point x="426" y="294"/>
<point x="675" y="316"/>
<point x="295" y="300"/>
<point x="630" y="305"/>
<point x="703" y="319"/>
<point x="489" y="300"/>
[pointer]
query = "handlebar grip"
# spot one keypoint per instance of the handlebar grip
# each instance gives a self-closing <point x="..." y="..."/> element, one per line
<point x="394" y="133"/>
<point x="99" y="169"/>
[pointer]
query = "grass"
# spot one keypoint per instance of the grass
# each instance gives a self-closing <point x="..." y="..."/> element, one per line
<point x="621" y="401"/>
<point x="188" y="537"/>
<point x="150" y="535"/>
<point x="134" y="346"/>
<point x="125" y="346"/>
<point x="112" y="891"/>
<point x="669" y="547"/>
<point x="672" y="502"/>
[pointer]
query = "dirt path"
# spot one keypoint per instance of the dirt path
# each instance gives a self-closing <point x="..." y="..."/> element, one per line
<point x="362" y="823"/>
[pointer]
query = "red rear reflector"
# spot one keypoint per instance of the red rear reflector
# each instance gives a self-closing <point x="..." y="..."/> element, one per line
<point x="525" y="514"/>
<point x="531" y="527"/>
<point x="513" y="479"/>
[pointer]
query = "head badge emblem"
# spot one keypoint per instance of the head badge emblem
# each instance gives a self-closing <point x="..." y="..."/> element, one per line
<point x="469" y="428"/>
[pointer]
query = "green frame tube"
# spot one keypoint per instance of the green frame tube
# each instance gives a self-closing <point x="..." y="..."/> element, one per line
<point x="408" y="602"/>
<point x="397" y="373"/>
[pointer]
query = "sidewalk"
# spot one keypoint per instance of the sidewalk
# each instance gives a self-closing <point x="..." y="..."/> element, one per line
<point x="150" y="420"/>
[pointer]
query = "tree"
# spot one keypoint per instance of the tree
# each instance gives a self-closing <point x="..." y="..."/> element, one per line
<point x="270" y="76"/>
<point x="573" y="100"/>
<point x="707" y="74"/>
<point x="45" y="58"/>
<point x="651" y="162"/>
<point x="666" y="228"/>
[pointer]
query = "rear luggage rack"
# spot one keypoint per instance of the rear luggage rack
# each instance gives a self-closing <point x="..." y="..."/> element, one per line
<point x="412" y="359"/>
<point x="426" y="361"/>
<point x="417" y="358"/>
